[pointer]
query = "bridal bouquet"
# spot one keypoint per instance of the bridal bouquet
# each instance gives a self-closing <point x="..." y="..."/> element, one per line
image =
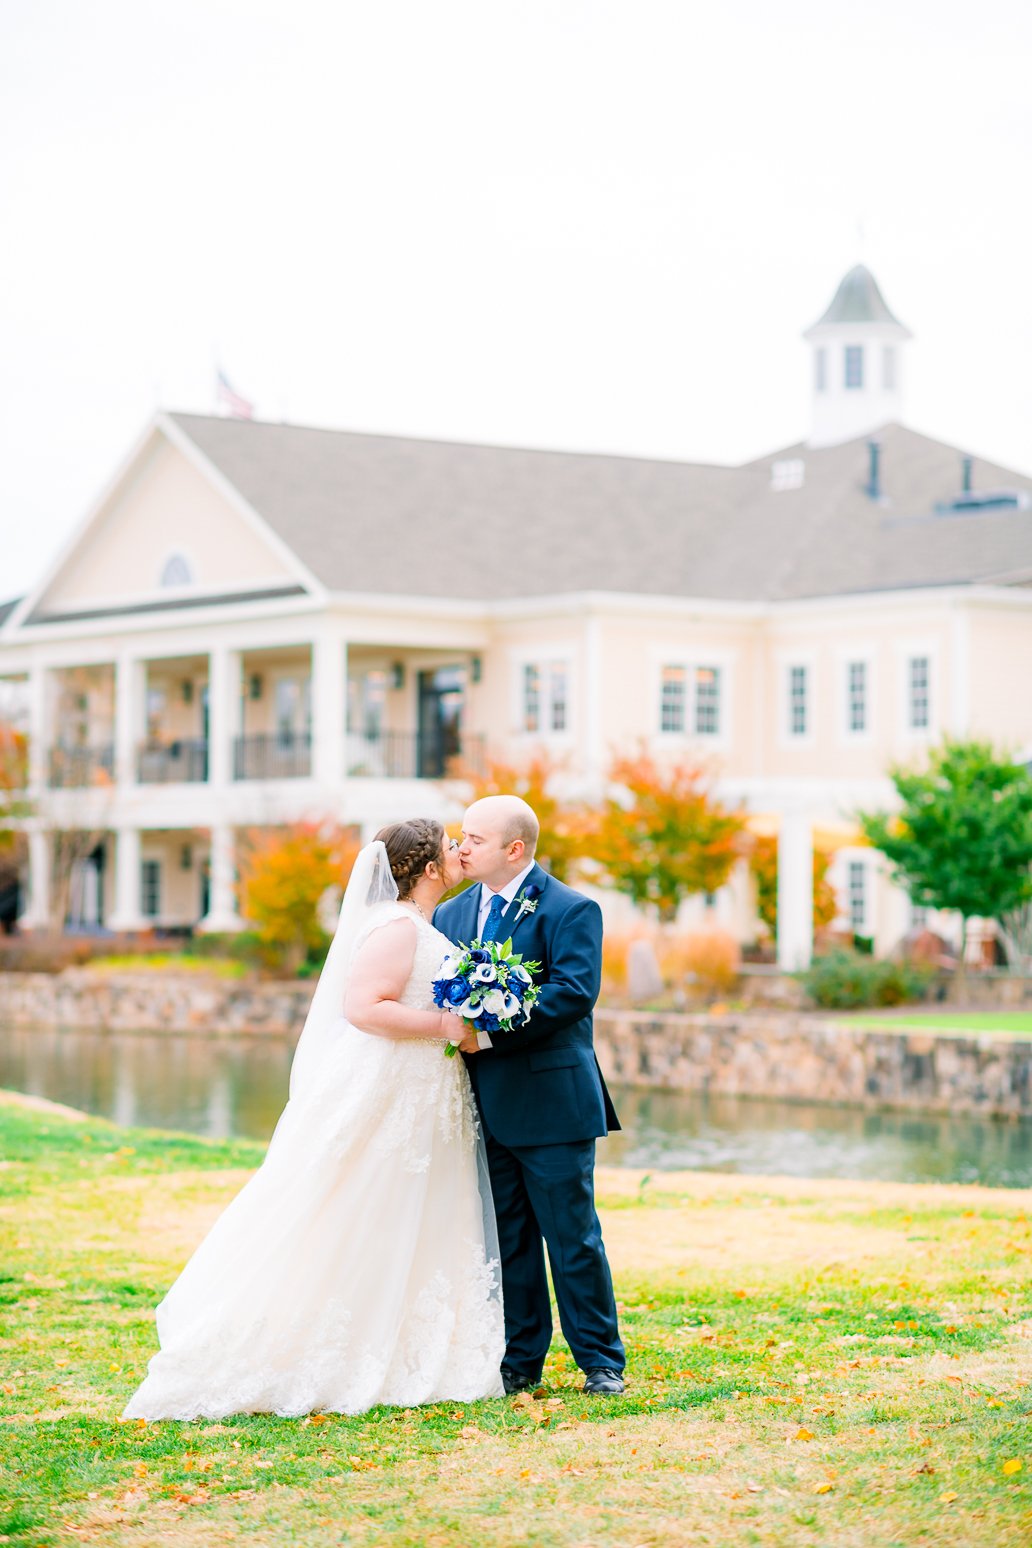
<point x="489" y="986"/>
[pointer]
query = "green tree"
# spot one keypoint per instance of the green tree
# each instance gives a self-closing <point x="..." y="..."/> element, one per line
<point x="660" y="836"/>
<point x="962" y="837"/>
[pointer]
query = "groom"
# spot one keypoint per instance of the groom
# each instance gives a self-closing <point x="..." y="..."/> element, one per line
<point x="542" y="1099"/>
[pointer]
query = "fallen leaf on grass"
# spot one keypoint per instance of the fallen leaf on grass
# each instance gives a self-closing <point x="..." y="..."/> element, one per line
<point x="948" y="1497"/>
<point x="824" y="1488"/>
<point x="803" y="1433"/>
<point x="1013" y="1465"/>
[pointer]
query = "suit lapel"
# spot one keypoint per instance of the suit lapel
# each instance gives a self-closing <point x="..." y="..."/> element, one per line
<point x="470" y="905"/>
<point x="509" y="923"/>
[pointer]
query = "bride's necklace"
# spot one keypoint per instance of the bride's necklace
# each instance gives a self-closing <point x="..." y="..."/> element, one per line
<point x="413" y="904"/>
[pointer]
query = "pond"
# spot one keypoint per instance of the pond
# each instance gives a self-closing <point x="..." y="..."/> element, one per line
<point x="236" y="1087"/>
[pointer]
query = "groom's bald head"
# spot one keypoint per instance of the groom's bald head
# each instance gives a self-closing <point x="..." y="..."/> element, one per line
<point x="508" y="818"/>
<point x="500" y="835"/>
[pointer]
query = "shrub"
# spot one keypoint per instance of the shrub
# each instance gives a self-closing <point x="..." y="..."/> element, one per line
<point x="711" y="959"/>
<point x="846" y="980"/>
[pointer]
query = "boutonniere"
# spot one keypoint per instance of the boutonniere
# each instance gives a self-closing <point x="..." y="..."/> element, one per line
<point x="528" y="901"/>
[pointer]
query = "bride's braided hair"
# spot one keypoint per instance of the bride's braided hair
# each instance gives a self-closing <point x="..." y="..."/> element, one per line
<point x="411" y="846"/>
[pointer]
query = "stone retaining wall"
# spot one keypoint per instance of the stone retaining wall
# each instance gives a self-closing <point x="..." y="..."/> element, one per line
<point x="816" y="1059"/>
<point x="775" y="1053"/>
<point x="86" y="1000"/>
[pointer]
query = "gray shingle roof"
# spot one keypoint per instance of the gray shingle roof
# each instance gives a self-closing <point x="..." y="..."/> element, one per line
<point x="857" y="300"/>
<point x="382" y="513"/>
<point x="7" y="608"/>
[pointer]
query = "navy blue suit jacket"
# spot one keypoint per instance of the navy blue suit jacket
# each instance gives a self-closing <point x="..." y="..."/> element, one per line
<point x="540" y="1084"/>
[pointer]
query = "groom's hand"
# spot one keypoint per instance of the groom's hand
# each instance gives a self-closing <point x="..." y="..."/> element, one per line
<point x="469" y="1044"/>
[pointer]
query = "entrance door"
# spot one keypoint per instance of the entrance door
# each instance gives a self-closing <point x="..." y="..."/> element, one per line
<point x="442" y="694"/>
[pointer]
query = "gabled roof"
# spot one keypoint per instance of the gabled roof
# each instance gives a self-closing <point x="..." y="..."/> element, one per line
<point x="368" y="513"/>
<point x="7" y="608"/>
<point x="857" y="300"/>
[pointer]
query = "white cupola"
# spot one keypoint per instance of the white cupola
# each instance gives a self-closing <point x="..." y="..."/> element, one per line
<point x="857" y="364"/>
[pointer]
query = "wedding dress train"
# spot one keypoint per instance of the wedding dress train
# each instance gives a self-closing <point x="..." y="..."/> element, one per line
<point x="358" y="1265"/>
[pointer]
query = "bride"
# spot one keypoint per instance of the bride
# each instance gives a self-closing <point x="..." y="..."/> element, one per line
<point x="359" y="1264"/>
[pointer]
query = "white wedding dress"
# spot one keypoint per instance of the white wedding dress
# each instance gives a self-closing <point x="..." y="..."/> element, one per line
<point x="357" y="1266"/>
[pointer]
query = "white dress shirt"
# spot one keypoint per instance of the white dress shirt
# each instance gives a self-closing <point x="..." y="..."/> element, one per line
<point x="508" y="893"/>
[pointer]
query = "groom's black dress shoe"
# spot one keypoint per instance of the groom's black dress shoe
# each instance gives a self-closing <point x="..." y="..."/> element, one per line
<point x="516" y="1381"/>
<point x="609" y="1382"/>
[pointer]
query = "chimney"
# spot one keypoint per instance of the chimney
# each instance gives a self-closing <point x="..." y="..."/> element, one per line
<point x="966" y="463"/>
<point x="874" y="489"/>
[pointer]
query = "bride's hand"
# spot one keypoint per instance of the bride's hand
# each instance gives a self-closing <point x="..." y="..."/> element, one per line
<point x="451" y="1027"/>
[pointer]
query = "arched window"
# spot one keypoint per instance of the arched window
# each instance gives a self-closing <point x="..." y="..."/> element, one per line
<point x="176" y="571"/>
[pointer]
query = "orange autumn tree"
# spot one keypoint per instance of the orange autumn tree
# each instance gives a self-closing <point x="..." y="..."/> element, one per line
<point x="661" y="836"/>
<point x="565" y="830"/>
<point x="763" y="862"/>
<point x="284" y="875"/>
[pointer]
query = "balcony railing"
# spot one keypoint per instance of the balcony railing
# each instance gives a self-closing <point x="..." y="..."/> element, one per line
<point x="75" y="767"/>
<point x="273" y="756"/>
<point x="413" y="755"/>
<point x="168" y="763"/>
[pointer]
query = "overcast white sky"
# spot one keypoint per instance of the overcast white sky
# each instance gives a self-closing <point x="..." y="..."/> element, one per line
<point x="568" y="223"/>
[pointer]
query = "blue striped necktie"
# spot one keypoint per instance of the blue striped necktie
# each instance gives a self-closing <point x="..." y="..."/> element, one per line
<point x="494" y="918"/>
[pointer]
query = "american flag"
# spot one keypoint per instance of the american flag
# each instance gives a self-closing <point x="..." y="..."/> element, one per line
<point x="238" y="407"/>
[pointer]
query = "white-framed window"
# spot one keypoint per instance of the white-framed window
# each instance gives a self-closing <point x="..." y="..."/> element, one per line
<point x="691" y="698"/>
<point x="919" y="693"/>
<point x="798" y="700"/>
<point x="707" y="700"/>
<point x="176" y="571"/>
<point x="673" y="698"/>
<point x="820" y="370"/>
<point x="545" y="697"/>
<point x="919" y="916"/>
<point x="787" y="473"/>
<point x="857" y="698"/>
<point x="854" y="366"/>
<point x="856" y="896"/>
<point x="150" y="888"/>
<point x="293" y="702"/>
<point x="888" y="368"/>
<point x="157" y="703"/>
<point x="367" y="701"/>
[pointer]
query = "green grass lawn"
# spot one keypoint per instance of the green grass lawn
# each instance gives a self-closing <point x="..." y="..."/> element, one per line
<point x="960" y="1023"/>
<point x="813" y="1365"/>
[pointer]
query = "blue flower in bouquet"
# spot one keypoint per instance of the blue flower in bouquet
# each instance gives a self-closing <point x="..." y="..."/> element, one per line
<point x="489" y="987"/>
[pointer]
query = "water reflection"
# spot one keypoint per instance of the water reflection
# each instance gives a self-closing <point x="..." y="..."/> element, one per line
<point x="237" y="1086"/>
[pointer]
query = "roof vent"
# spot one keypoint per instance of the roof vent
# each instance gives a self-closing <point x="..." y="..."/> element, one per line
<point x="874" y="489"/>
<point x="970" y="502"/>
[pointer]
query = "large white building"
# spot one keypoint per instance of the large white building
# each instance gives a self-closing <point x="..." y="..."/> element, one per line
<point x="261" y="622"/>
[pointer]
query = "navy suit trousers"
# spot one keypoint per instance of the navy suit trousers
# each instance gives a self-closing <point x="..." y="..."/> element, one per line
<point x="547" y="1191"/>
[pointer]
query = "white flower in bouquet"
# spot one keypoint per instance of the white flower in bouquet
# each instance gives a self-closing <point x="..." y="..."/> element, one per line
<point x="449" y="967"/>
<point x="484" y="973"/>
<point x="494" y="1002"/>
<point x="521" y="974"/>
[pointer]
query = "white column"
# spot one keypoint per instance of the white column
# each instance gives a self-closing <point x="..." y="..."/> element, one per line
<point x="127" y="913"/>
<point x="40" y="690"/>
<point x="593" y="698"/>
<point x="222" y="917"/>
<point x="130" y="694"/>
<point x="795" y="890"/>
<point x="329" y="677"/>
<point x="36" y="911"/>
<point x="224" y="713"/>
